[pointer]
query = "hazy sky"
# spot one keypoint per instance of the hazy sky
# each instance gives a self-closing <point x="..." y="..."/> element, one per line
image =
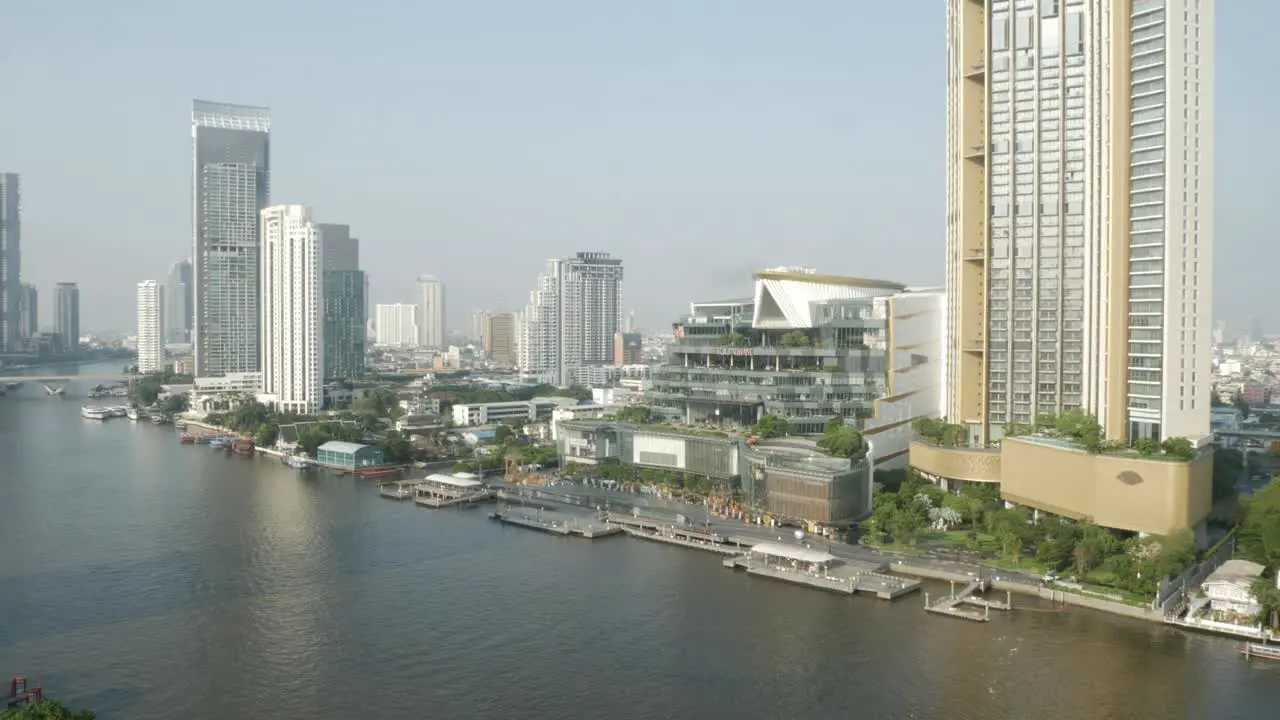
<point x="696" y="139"/>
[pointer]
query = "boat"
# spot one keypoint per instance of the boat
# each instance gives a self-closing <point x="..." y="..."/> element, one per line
<point x="158" y="420"/>
<point x="242" y="447"/>
<point x="92" y="412"/>
<point x="118" y="411"/>
<point x="1269" y="652"/>
<point x="186" y="438"/>
<point x="12" y="386"/>
<point x="55" y="389"/>
<point x="180" y="424"/>
<point x="219" y="443"/>
<point x="295" y="462"/>
<point x="132" y="413"/>
<point x="397" y="491"/>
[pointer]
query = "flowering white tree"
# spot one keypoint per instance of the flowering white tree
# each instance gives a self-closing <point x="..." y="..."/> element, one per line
<point x="943" y="519"/>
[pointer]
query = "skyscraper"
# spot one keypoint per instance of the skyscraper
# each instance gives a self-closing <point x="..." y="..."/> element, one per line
<point x="28" y="312"/>
<point x="499" y="333"/>
<point x="10" y="261"/>
<point x="66" y="303"/>
<point x="344" y="294"/>
<point x="292" y="294"/>
<point x="1079" y="260"/>
<point x="231" y="184"/>
<point x="178" y="303"/>
<point x="151" y="326"/>
<point x="574" y="310"/>
<point x="397" y="325"/>
<point x="430" y="312"/>
<point x="1080" y="213"/>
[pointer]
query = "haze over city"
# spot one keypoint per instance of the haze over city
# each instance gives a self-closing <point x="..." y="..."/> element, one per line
<point x="698" y="140"/>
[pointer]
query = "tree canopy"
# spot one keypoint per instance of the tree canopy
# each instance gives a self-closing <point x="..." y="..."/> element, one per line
<point x="46" y="710"/>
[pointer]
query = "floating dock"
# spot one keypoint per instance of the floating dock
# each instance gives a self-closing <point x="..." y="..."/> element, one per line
<point x="809" y="566"/>
<point x="396" y="491"/>
<point x="953" y="605"/>
<point x="587" y="530"/>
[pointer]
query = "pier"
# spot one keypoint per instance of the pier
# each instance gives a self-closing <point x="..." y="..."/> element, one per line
<point x="441" y="491"/>
<point x="954" y="604"/>
<point x="587" y="530"/>
<point x="816" y="568"/>
<point x="396" y="491"/>
<point x="646" y="529"/>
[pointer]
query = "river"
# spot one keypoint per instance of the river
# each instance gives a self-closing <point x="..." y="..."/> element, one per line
<point x="146" y="579"/>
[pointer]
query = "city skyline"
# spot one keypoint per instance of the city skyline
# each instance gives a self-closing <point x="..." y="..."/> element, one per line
<point x="868" y="206"/>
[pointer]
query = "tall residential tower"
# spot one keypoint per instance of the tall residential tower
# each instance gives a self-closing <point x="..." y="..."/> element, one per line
<point x="230" y="184"/>
<point x="66" y="307"/>
<point x="1080" y="213"/>
<point x="292" y="295"/>
<point x="343" y="302"/>
<point x="1080" y="208"/>
<point x="178" y="303"/>
<point x="430" y="312"/>
<point x="574" y="311"/>
<point x="151" y="326"/>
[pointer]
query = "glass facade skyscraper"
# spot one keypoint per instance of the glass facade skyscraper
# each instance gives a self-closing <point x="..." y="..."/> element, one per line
<point x="343" y="302"/>
<point x="231" y="184"/>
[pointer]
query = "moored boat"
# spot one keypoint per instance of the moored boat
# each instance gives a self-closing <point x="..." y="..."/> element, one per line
<point x="93" y="412"/>
<point x="295" y="462"/>
<point x="132" y="413"/>
<point x="186" y="438"/>
<point x="118" y="411"/>
<point x="1269" y="652"/>
<point x="158" y="420"/>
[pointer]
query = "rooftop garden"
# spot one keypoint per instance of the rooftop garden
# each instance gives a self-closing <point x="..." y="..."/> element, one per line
<point x="1076" y="427"/>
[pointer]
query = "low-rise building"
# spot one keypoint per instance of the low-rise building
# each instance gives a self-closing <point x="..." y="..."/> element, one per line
<point x="221" y="393"/>
<point x="1229" y="588"/>
<point x="349" y="456"/>
<point x="785" y="478"/>
<point x="469" y="414"/>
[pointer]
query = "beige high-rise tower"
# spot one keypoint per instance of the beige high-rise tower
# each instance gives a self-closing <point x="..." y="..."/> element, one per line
<point x="1080" y="209"/>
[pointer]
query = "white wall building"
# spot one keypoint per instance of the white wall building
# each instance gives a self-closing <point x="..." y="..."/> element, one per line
<point x="430" y="312"/>
<point x="292" y="293"/>
<point x="484" y="413"/>
<point x="151" y="327"/>
<point x="397" y="325"/>
<point x="574" y="311"/>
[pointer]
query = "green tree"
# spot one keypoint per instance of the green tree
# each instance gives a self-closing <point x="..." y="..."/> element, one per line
<point x="267" y="435"/>
<point x="310" y="440"/>
<point x="1228" y="464"/>
<point x="396" y="448"/>
<point x="502" y="434"/>
<point x="46" y="710"/>
<point x="1268" y="596"/>
<point x="795" y="338"/>
<point x="1011" y="528"/>
<point x="1259" y="537"/>
<point x="1057" y="548"/>
<point x="733" y="339"/>
<point x="635" y="414"/>
<point x="1179" y="447"/>
<point x="771" y="426"/>
<point x="1096" y="544"/>
<point x="175" y="404"/>
<point x="1146" y="446"/>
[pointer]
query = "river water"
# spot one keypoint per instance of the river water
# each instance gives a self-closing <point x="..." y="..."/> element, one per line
<point x="146" y="579"/>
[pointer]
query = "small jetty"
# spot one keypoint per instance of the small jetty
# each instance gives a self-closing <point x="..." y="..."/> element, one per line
<point x="441" y="491"/>
<point x="588" y="530"/>
<point x="22" y="694"/>
<point x="682" y="536"/>
<point x="817" y="568"/>
<point x="396" y="491"/>
<point x="964" y="604"/>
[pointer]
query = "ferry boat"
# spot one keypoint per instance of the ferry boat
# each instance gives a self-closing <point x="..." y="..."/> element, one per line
<point x="132" y="413"/>
<point x="91" y="412"/>
<point x="118" y="411"/>
<point x="220" y="443"/>
<point x="1269" y="652"/>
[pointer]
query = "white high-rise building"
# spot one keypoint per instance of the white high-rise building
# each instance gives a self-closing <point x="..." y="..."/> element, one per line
<point x="574" y="311"/>
<point x="397" y="325"/>
<point x="292" y="296"/>
<point x="1080" y="210"/>
<point x="151" y="327"/>
<point x="430" y="312"/>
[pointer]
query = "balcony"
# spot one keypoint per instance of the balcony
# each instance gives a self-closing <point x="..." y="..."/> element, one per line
<point x="976" y="72"/>
<point x="976" y="153"/>
<point x="975" y="256"/>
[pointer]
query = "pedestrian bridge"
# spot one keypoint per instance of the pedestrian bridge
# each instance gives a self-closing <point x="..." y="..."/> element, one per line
<point x="66" y="378"/>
